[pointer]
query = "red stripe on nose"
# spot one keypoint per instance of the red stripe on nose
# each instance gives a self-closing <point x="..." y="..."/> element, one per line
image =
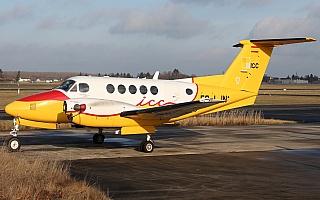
<point x="50" y="95"/>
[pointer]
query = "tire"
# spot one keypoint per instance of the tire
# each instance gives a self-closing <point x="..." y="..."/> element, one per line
<point x="98" y="138"/>
<point x="141" y="146"/>
<point x="13" y="144"/>
<point x="148" y="146"/>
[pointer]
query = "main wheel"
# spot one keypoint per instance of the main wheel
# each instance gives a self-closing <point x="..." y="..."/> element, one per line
<point x="147" y="146"/>
<point x="13" y="144"/>
<point x="98" y="138"/>
<point x="141" y="146"/>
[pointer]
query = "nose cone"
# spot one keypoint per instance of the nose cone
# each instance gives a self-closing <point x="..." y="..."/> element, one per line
<point x="12" y="109"/>
<point x="43" y="107"/>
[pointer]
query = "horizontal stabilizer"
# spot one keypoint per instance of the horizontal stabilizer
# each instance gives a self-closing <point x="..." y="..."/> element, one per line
<point x="275" y="42"/>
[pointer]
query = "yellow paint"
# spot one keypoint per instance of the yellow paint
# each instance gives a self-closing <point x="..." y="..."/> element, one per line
<point x="137" y="130"/>
<point x="49" y="111"/>
<point x="113" y="121"/>
<point x="25" y="122"/>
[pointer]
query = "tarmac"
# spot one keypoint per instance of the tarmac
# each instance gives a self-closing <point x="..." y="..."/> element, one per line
<point x="235" y="162"/>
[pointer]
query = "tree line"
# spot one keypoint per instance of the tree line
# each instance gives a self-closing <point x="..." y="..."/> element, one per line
<point x="310" y="78"/>
<point x="167" y="75"/>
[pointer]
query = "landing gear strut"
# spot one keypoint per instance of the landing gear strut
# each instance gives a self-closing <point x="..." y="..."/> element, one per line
<point x="147" y="145"/>
<point x="13" y="143"/>
<point x="98" y="138"/>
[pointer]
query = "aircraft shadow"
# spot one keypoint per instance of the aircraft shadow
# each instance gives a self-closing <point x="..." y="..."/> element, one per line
<point x="70" y="138"/>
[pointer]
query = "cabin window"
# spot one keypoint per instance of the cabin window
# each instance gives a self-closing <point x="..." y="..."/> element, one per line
<point x="66" y="85"/>
<point x="83" y="87"/>
<point x="132" y="89"/>
<point x="121" y="89"/>
<point x="154" y="90"/>
<point x="74" y="89"/>
<point x="143" y="89"/>
<point x="110" y="88"/>
<point x="189" y="91"/>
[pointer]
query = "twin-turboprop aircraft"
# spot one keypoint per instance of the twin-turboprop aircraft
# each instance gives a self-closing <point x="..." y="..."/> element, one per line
<point x="137" y="106"/>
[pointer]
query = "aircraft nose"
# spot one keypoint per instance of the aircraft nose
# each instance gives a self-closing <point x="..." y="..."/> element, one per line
<point x="13" y="109"/>
<point x="45" y="107"/>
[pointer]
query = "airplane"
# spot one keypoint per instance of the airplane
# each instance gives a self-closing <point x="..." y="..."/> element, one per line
<point x="137" y="106"/>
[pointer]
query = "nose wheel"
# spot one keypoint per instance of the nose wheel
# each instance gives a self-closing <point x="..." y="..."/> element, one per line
<point x="13" y="144"/>
<point x="147" y="145"/>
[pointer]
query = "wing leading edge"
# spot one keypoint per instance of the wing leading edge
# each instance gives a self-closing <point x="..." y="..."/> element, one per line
<point x="169" y="111"/>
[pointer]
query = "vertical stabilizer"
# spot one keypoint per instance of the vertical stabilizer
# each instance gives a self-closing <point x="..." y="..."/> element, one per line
<point x="247" y="70"/>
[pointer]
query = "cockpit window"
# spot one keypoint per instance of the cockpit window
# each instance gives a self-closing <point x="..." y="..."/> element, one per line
<point x="74" y="89"/>
<point x="83" y="87"/>
<point x="66" y="85"/>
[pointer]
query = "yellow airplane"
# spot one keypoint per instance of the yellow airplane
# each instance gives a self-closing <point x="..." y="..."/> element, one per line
<point x="136" y="106"/>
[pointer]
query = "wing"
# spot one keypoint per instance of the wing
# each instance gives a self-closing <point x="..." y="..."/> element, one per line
<point x="169" y="111"/>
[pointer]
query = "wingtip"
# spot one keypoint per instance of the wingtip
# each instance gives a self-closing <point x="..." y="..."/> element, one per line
<point x="311" y="39"/>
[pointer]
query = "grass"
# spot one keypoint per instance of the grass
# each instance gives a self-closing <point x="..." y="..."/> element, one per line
<point x="293" y="94"/>
<point x="8" y="96"/>
<point x="9" y="92"/>
<point x="41" y="178"/>
<point x="230" y="118"/>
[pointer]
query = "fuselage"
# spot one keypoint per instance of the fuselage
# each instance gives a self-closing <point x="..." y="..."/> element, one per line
<point x="120" y="94"/>
<point x="106" y="97"/>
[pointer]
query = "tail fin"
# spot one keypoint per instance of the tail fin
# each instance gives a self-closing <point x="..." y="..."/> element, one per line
<point x="242" y="80"/>
<point x="248" y="68"/>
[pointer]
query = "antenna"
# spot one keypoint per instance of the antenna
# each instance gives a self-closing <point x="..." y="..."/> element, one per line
<point x="156" y="75"/>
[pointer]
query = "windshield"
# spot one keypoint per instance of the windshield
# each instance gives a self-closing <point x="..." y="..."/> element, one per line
<point x="66" y="85"/>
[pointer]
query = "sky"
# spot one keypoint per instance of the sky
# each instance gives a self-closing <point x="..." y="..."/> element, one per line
<point x="194" y="36"/>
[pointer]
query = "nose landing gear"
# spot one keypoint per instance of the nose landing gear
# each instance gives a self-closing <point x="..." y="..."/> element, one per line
<point x="13" y="142"/>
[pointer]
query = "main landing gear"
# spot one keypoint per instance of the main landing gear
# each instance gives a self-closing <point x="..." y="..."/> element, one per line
<point x="98" y="138"/>
<point x="13" y="142"/>
<point x="147" y="145"/>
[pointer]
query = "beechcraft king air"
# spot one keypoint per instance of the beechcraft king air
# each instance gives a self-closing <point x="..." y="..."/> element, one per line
<point x="137" y="106"/>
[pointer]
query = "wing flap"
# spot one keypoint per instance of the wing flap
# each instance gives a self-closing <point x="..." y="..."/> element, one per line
<point x="169" y="111"/>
